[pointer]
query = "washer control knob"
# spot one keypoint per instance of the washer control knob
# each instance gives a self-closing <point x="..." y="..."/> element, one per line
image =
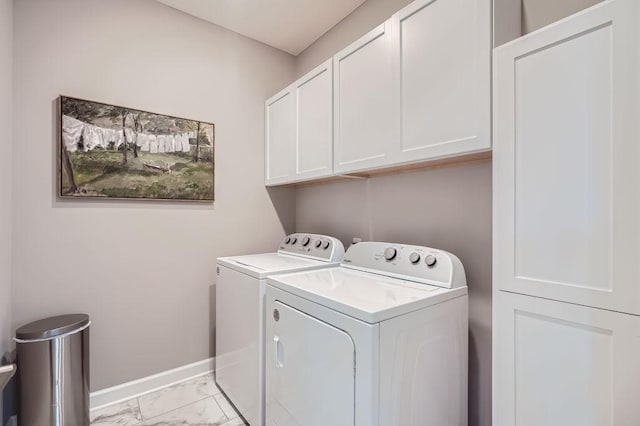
<point x="390" y="253"/>
<point x="414" y="258"/>
<point x="286" y="240"/>
<point x="326" y="245"/>
<point x="430" y="260"/>
<point x="294" y="240"/>
<point x="318" y="243"/>
<point x="305" y="241"/>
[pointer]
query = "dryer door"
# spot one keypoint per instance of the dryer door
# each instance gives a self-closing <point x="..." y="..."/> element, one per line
<point x="310" y="370"/>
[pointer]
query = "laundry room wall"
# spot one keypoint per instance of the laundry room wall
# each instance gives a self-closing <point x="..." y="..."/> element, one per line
<point x="539" y="13"/>
<point x="447" y="207"/>
<point x="363" y="19"/>
<point x="513" y="18"/>
<point x="6" y="65"/>
<point x="143" y="271"/>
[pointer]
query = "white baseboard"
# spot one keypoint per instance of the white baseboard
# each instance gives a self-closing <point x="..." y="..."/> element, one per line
<point x="148" y="384"/>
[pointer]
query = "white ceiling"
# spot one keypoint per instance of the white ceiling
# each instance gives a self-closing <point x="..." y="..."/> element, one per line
<point x="289" y="25"/>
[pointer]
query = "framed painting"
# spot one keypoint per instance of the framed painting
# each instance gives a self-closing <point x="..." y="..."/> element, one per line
<point x="108" y="151"/>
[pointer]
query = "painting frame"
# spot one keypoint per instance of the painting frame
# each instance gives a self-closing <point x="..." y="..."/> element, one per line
<point x="203" y="157"/>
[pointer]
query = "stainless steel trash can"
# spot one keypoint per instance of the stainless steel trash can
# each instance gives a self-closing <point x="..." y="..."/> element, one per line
<point x="53" y="371"/>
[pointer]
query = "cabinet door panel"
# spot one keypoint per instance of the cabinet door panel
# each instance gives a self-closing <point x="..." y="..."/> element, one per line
<point x="314" y="118"/>
<point x="565" y="161"/>
<point x="280" y="137"/>
<point x="558" y="364"/>
<point x="445" y="83"/>
<point x="366" y="124"/>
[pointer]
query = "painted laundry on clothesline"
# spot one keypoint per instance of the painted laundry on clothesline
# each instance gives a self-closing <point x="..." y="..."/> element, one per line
<point x="71" y="132"/>
<point x="94" y="136"/>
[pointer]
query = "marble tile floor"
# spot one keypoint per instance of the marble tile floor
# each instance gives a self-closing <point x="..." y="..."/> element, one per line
<point x="194" y="402"/>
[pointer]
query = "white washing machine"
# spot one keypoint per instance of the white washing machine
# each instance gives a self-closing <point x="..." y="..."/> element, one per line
<point x="380" y="341"/>
<point x="240" y="289"/>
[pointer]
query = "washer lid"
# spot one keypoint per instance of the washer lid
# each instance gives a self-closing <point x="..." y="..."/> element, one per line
<point x="366" y="296"/>
<point x="52" y="327"/>
<point x="262" y="265"/>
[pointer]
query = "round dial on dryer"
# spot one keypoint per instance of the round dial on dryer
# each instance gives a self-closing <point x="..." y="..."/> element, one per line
<point x="390" y="253"/>
<point x="318" y="243"/>
<point x="326" y="245"/>
<point x="294" y="240"/>
<point x="414" y="258"/>
<point x="287" y="240"/>
<point x="430" y="260"/>
<point x="305" y="241"/>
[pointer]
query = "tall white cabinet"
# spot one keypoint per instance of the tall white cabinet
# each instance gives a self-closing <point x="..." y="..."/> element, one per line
<point x="562" y="364"/>
<point x="567" y="222"/>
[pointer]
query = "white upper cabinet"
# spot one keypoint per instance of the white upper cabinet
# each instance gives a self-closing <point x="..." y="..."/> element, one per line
<point x="365" y="111"/>
<point x="299" y="129"/>
<point x="280" y="137"/>
<point x="443" y="68"/>
<point x="566" y="154"/>
<point x="314" y="123"/>
<point x="415" y="88"/>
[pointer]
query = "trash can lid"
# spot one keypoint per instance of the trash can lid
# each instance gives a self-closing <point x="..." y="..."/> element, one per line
<point x="52" y="327"/>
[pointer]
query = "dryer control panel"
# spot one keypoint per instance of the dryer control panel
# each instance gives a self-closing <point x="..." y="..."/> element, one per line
<point x="412" y="263"/>
<point x="321" y="247"/>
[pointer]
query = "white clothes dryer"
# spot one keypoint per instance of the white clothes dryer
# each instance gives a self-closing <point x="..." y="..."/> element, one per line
<point x="240" y="288"/>
<point x="380" y="341"/>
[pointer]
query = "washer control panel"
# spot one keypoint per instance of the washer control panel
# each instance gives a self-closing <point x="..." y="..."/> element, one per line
<point x="412" y="263"/>
<point x="320" y="247"/>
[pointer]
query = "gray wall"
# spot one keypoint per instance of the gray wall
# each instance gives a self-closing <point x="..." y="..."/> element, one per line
<point x="142" y="270"/>
<point x="513" y="18"/>
<point x="507" y="21"/>
<point x="358" y="23"/>
<point x="6" y="64"/>
<point x="539" y="13"/>
<point x="448" y="208"/>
